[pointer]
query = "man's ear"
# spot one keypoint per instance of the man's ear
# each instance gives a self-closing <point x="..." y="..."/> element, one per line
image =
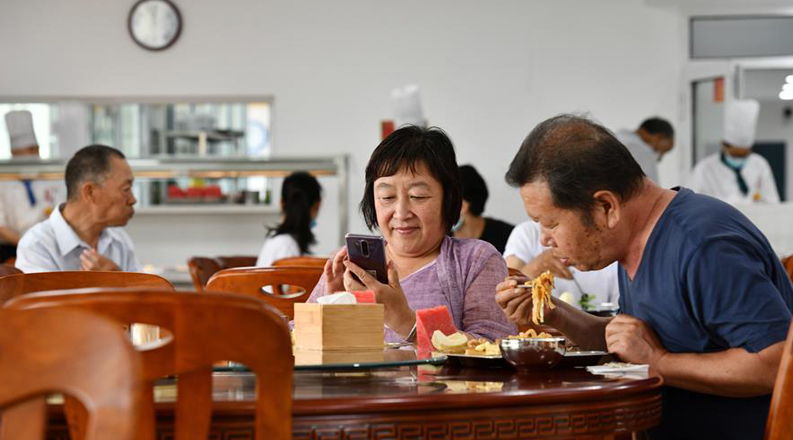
<point x="607" y="208"/>
<point x="88" y="190"/>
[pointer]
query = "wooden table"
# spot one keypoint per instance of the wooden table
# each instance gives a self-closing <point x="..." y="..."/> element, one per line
<point x="433" y="403"/>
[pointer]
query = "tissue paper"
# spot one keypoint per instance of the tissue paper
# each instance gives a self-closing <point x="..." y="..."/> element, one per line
<point x="337" y="298"/>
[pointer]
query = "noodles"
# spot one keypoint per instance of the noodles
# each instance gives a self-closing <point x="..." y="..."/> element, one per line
<point x="541" y="295"/>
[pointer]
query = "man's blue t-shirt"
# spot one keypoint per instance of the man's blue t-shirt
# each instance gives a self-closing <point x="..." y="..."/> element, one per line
<point x="709" y="281"/>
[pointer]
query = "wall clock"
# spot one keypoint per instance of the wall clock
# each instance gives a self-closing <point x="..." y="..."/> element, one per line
<point x="154" y="24"/>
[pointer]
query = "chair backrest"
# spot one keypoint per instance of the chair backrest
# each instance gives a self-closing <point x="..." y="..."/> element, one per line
<point x="77" y="353"/>
<point x="205" y="329"/>
<point x="20" y="284"/>
<point x="780" y="415"/>
<point x="306" y="260"/>
<point x="516" y="272"/>
<point x="7" y="269"/>
<point x="788" y="263"/>
<point x="251" y="280"/>
<point x="202" y="268"/>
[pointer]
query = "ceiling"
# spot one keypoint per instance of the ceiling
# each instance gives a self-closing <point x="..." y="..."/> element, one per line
<point x="720" y="4"/>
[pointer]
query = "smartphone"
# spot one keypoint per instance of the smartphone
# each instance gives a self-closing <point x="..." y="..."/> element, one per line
<point x="368" y="252"/>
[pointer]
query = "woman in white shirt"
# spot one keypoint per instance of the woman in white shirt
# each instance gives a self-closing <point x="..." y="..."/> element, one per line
<point x="301" y="197"/>
<point x="526" y="253"/>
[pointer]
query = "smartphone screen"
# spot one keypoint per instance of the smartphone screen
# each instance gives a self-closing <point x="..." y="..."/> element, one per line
<point x="368" y="252"/>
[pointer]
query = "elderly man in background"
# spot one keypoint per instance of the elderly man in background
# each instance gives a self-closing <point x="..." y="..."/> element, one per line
<point x="85" y="233"/>
<point x="705" y="302"/>
<point x="23" y="203"/>
<point x="736" y="174"/>
<point x="648" y="144"/>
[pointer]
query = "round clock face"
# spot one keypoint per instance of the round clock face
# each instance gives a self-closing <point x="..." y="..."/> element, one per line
<point x="155" y="24"/>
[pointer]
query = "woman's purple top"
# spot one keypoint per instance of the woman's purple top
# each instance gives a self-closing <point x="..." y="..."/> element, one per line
<point x="462" y="278"/>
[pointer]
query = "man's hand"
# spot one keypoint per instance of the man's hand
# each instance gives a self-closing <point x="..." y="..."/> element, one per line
<point x="634" y="341"/>
<point x="90" y="259"/>
<point x="399" y="317"/>
<point x="517" y="303"/>
<point x="547" y="262"/>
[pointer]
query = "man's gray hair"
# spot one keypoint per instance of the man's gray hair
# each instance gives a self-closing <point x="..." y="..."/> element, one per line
<point x="90" y="164"/>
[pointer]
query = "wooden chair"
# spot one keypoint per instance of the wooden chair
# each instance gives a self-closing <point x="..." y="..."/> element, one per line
<point x="306" y="261"/>
<point x="7" y="269"/>
<point x="202" y="268"/>
<point x="251" y="280"/>
<point x="788" y="263"/>
<point x="14" y="285"/>
<point x="780" y="416"/>
<point x="205" y="329"/>
<point x="77" y="353"/>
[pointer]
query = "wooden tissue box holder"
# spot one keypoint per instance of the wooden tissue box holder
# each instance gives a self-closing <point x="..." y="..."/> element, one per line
<point x="338" y="326"/>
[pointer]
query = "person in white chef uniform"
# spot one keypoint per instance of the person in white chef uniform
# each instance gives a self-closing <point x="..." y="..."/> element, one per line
<point x="24" y="203"/>
<point x="736" y="175"/>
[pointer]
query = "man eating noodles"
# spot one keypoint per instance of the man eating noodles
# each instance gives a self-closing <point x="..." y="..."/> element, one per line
<point x="704" y="299"/>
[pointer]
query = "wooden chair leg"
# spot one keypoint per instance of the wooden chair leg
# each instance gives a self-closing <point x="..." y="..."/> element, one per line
<point x="147" y="424"/>
<point x="194" y="404"/>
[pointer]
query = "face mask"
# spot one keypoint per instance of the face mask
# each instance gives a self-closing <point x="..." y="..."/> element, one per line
<point x="313" y="224"/>
<point x="735" y="162"/>
<point x="456" y="227"/>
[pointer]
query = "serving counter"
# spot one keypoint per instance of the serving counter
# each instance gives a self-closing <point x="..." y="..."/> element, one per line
<point x="167" y="235"/>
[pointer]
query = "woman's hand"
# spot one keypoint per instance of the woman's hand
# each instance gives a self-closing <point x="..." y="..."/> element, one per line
<point x="547" y="262"/>
<point x="399" y="317"/>
<point x="334" y="272"/>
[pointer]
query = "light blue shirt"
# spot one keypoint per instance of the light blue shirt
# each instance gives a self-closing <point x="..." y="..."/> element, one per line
<point x="53" y="246"/>
<point x="642" y="152"/>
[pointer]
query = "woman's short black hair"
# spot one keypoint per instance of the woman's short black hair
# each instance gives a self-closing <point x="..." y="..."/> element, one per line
<point x="299" y="193"/>
<point x="474" y="189"/>
<point x="407" y="148"/>
<point x="575" y="157"/>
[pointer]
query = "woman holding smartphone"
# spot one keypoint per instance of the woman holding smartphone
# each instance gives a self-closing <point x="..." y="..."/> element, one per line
<point x="301" y="197"/>
<point x="413" y="196"/>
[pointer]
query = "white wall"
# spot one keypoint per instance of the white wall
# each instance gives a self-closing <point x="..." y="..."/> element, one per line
<point x="773" y="126"/>
<point x="488" y="71"/>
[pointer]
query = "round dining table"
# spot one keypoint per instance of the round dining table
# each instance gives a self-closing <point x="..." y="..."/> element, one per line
<point x="431" y="402"/>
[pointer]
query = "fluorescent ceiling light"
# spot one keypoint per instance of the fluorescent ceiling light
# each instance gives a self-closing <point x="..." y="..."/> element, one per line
<point x="786" y="96"/>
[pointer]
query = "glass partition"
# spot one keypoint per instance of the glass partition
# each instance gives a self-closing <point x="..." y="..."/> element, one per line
<point x="160" y="128"/>
<point x="173" y="128"/>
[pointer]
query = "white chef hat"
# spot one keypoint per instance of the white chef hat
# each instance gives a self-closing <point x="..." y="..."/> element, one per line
<point x="407" y="106"/>
<point x="740" y="122"/>
<point x="20" y="129"/>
